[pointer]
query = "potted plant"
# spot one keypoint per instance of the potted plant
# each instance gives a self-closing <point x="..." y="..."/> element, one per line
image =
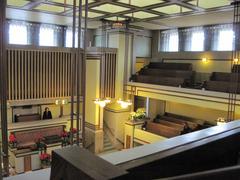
<point x="41" y="146"/>
<point x="45" y="160"/>
<point x="12" y="140"/>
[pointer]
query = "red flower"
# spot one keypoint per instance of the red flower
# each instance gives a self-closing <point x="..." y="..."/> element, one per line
<point x="74" y="130"/>
<point x="12" y="138"/>
<point x="64" y="134"/>
<point x="44" y="156"/>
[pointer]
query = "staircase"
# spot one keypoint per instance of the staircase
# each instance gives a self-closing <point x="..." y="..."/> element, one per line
<point x="107" y="146"/>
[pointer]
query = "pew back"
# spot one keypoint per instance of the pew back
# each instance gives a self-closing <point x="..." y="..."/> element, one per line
<point x="191" y="125"/>
<point x="172" y="66"/>
<point x="162" y="130"/>
<point x="167" y="81"/>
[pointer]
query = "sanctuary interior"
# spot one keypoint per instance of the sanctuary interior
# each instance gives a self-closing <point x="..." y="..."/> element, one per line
<point x="119" y="89"/>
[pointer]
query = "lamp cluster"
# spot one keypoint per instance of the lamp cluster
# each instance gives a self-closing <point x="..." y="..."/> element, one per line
<point x="61" y="102"/>
<point x="103" y="102"/>
<point x="124" y="104"/>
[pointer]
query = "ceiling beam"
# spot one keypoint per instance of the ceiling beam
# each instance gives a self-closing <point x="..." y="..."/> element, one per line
<point x="33" y="4"/>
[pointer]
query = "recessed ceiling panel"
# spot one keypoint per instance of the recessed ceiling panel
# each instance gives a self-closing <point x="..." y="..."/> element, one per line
<point x="172" y="9"/>
<point x="50" y="8"/>
<point x="115" y="18"/>
<point x="210" y="3"/>
<point x="110" y="8"/>
<point x="17" y="3"/>
<point x="70" y="2"/>
<point x="141" y="3"/>
<point x="141" y="15"/>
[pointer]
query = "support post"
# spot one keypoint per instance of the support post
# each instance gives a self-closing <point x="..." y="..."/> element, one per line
<point x="84" y="73"/>
<point x="73" y="75"/>
<point x="79" y="59"/>
<point x="3" y="89"/>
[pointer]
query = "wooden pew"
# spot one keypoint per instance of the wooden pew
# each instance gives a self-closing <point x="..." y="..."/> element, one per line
<point x="174" y="125"/>
<point x="191" y="125"/>
<point x="172" y="66"/>
<point x="167" y="73"/>
<point x="167" y="81"/>
<point x="221" y="86"/>
<point x="162" y="130"/>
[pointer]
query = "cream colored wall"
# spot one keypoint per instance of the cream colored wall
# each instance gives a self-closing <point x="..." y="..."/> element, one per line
<point x="115" y="121"/>
<point x="144" y="137"/>
<point x="117" y="40"/>
<point x="156" y="107"/>
<point x="92" y="91"/>
<point x="140" y="63"/>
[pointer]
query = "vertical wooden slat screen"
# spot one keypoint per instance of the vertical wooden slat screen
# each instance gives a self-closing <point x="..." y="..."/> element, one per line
<point x="109" y="74"/>
<point x="43" y="73"/>
<point x="35" y="74"/>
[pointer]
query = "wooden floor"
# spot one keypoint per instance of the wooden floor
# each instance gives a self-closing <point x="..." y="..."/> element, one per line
<point x="43" y="174"/>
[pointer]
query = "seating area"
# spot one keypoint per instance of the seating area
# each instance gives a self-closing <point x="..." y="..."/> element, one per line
<point x="169" y="74"/>
<point x="222" y="82"/>
<point x="27" y="139"/>
<point x="181" y="74"/>
<point x="169" y="125"/>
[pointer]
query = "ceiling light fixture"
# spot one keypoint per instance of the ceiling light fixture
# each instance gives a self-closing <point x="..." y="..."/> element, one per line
<point x="102" y="102"/>
<point x="124" y="104"/>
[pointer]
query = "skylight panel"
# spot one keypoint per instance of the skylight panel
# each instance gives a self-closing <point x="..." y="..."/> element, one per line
<point x="17" y="3"/>
<point x="70" y="2"/>
<point x="141" y="3"/>
<point x="210" y="3"/>
<point x="141" y="15"/>
<point x="172" y="9"/>
<point x="50" y="8"/>
<point x="110" y="8"/>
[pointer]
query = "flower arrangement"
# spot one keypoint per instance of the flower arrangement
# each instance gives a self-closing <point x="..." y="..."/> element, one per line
<point x="12" y="140"/>
<point x="138" y="115"/>
<point x="45" y="158"/>
<point x="65" y="138"/>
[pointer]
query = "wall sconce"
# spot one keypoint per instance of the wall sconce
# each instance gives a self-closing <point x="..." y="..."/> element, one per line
<point x="102" y="102"/>
<point x="235" y="60"/>
<point x="124" y="104"/>
<point x="204" y="60"/>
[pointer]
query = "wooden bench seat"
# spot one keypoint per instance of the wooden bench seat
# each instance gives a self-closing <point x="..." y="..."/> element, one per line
<point x="174" y="125"/>
<point x="221" y="86"/>
<point x="162" y="130"/>
<point x="167" y="81"/>
<point x="222" y="76"/>
<point x="172" y="66"/>
<point x="191" y="125"/>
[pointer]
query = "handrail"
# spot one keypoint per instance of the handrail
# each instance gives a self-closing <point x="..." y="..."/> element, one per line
<point x="109" y="129"/>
